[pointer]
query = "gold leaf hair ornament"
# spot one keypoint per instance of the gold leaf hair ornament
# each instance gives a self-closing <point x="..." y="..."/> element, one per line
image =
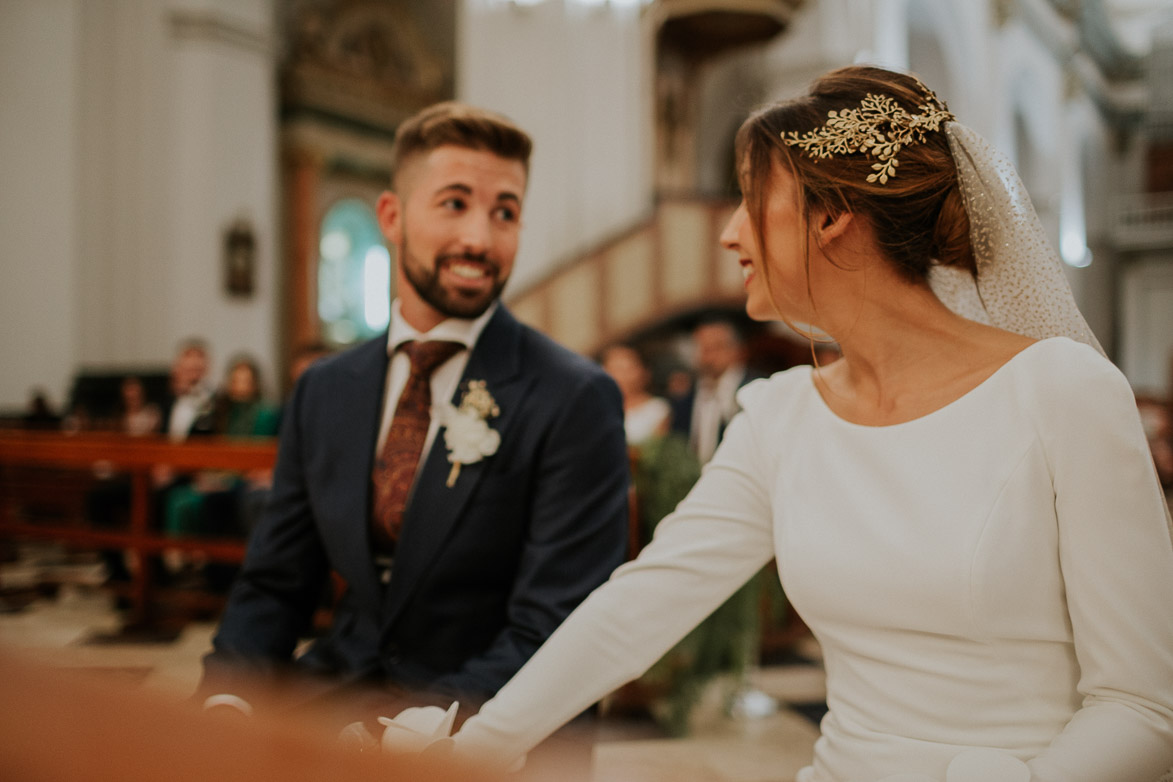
<point x="880" y="127"/>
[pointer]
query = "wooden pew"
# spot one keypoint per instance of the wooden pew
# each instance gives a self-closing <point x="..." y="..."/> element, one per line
<point x="32" y="453"/>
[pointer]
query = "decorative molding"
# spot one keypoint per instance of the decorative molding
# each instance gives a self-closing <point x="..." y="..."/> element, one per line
<point x="211" y="26"/>
<point x="360" y="62"/>
<point x="1143" y="221"/>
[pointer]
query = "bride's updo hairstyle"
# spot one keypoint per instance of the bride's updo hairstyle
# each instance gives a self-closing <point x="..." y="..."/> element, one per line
<point x="914" y="207"/>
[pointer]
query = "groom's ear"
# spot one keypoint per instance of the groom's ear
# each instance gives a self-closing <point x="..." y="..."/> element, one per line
<point x="389" y="212"/>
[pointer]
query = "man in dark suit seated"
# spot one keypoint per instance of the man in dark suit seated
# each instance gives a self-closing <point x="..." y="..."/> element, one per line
<point x="463" y="539"/>
<point x="704" y="412"/>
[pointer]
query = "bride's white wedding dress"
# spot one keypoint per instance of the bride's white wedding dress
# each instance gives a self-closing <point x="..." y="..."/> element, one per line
<point x="996" y="575"/>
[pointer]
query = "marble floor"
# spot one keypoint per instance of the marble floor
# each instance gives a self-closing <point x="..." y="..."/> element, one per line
<point x="76" y="628"/>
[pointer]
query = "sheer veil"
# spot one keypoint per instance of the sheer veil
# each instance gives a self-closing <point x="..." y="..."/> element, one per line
<point x="1020" y="284"/>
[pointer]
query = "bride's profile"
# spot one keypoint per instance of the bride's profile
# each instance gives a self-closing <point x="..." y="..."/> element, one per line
<point x="963" y="506"/>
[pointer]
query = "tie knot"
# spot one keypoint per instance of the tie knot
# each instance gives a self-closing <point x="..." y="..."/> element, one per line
<point x="426" y="356"/>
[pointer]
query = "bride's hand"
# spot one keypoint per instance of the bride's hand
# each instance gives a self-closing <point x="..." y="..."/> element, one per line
<point x="974" y="765"/>
<point x="418" y="728"/>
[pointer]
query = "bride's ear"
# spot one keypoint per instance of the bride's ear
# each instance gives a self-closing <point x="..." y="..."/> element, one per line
<point x="828" y="227"/>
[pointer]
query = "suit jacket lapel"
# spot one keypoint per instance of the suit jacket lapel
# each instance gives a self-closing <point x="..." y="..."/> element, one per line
<point x="435" y="508"/>
<point x="360" y="400"/>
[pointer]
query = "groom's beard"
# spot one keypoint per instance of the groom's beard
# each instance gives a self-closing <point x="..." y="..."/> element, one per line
<point x="450" y="301"/>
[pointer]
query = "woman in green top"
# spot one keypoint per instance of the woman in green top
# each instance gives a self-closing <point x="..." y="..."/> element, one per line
<point x="208" y="504"/>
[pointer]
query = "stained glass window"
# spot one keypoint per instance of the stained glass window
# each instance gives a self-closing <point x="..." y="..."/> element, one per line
<point x="354" y="274"/>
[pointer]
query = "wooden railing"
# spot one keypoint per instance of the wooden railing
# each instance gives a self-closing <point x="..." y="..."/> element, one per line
<point x="63" y="462"/>
<point x="1144" y="221"/>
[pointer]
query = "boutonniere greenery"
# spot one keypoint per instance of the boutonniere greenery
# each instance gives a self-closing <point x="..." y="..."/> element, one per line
<point x="466" y="428"/>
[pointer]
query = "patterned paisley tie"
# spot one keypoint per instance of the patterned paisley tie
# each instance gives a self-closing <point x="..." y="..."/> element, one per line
<point x="396" y="464"/>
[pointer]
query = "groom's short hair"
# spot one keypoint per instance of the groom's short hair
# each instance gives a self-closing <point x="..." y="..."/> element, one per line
<point x="457" y="124"/>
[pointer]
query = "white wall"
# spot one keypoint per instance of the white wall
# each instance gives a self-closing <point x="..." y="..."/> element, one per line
<point x="223" y="114"/>
<point x="576" y="79"/>
<point x="38" y="228"/>
<point x="149" y="126"/>
<point x="123" y="138"/>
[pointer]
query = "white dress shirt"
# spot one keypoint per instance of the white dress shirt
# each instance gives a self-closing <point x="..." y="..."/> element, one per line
<point x="186" y="410"/>
<point x="714" y="406"/>
<point x="446" y="376"/>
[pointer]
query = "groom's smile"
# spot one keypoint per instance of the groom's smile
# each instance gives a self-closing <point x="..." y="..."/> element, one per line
<point x="455" y="221"/>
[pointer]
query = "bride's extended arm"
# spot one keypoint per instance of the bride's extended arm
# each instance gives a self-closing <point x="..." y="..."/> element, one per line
<point x="719" y="536"/>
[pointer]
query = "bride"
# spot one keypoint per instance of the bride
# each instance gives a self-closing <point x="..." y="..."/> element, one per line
<point x="963" y="507"/>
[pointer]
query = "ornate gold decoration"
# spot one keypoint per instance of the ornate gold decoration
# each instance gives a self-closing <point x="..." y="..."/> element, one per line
<point x="880" y="127"/>
<point x="478" y="399"/>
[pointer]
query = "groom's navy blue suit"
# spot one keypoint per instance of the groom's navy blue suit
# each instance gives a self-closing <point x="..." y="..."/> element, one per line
<point x="484" y="571"/>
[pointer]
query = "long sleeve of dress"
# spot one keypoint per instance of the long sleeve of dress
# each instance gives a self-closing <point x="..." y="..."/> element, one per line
<point x="994" y="577"/>
<point x="718" y="537"/>
<point x="1116" y="559"/>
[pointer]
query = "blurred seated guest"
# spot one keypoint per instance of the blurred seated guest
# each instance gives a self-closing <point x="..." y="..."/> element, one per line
<point x="242" y="412"/>
<point x="664" y="468"/>
<point x="40" y="414"/>
<point x="217" y="502"/>
<point x="108" y="502"/>
<point x="138" y="416"/>
<point x="704" y="413"/>
<point x="678" y="385"/>
<point x="644" y="415"/>
<point x="189" y="409"/>
<point x="186" y="412"/>
<point x="240" y="409"/>
<point x="208" y="503"/>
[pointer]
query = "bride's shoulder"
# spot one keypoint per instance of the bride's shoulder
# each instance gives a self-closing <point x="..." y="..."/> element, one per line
<point x="1063" y="359"/>
<point x="1059" y="368"/>
<point x="768" y="391"/>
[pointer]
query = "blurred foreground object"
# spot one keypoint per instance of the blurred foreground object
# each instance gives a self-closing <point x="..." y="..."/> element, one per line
<point x="63" y="724"/>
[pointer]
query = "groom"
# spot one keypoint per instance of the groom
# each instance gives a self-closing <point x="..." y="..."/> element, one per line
<point x="461" y="546"/>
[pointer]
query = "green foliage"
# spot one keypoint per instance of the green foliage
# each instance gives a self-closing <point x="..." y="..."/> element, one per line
<point x="724" y="644"/>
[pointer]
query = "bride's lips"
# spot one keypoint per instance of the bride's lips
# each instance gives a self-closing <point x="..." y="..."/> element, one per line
<point x="746" y="270"/>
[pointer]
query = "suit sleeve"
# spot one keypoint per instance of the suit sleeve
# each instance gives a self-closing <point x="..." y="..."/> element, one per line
<point x="272" y="602"/>
<point x="577" y="534"/>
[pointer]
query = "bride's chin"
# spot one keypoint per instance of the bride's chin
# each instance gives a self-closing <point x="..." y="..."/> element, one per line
<point x="760" y="310"/>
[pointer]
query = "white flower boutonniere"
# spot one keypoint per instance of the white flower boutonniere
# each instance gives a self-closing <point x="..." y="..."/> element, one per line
<point x="466" y="428"/>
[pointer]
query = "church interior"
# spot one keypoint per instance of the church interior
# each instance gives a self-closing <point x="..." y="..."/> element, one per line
<point x="179" y="171"/>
